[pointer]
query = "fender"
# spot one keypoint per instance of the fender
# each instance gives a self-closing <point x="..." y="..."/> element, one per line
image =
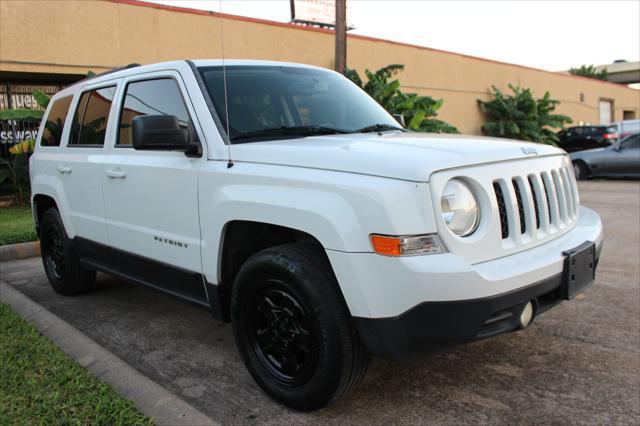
<point x="339" y="209"/>
<point x="52" y="187"/>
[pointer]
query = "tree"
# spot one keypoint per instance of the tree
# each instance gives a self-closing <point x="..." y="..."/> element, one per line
<point x="589" y="71"/>
<point x="521" y="116"/>
<point x="419" y="112"/>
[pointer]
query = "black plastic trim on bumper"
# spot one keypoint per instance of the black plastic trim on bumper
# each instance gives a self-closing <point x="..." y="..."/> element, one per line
<point x="434" y="326"/>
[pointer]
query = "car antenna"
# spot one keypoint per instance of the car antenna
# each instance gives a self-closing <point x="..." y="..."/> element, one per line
<point x="224" y="83"/>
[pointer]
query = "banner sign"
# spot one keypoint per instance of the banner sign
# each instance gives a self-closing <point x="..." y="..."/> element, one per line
<point x="320" y="12"/>
<point x="15" y="97"/>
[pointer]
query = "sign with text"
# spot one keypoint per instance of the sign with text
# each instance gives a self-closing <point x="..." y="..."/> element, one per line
<point x="320" y="12"/>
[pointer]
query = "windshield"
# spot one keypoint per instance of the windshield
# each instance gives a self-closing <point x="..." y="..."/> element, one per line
<point x="275" y="102"/>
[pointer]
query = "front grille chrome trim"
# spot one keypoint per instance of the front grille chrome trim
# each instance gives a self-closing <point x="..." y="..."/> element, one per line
<point x="528" y="203"/>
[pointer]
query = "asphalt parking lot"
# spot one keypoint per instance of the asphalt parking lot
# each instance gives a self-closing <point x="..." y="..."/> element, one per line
<point x="579" y="363"/>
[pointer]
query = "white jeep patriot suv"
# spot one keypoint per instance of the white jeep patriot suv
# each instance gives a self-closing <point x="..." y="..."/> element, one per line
<point x="287" y="201"/>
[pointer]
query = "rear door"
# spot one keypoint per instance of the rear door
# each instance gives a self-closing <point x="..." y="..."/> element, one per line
<point x="79" y="166"/>
<point x="151" y="197"/>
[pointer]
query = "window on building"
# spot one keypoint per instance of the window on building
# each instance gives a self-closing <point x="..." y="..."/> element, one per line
<point x="91" y="117"/>
<point x="52" y="133"/>
<point x="606" y="112"/>
<point x="150" y="97"/>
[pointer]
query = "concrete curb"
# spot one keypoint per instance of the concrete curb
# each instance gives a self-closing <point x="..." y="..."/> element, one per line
<point x="19" y="251"/>
<point x="150" y="398"/>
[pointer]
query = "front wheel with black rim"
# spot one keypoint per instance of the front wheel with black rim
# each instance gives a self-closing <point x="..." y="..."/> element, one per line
<point x="293" y="329"/>
<point x="61" y="263"/>
<point x="580" y="170"/>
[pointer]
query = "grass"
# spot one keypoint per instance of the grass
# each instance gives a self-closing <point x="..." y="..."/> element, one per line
<point x="39" y="384"/>
<point x="16" y="225"/>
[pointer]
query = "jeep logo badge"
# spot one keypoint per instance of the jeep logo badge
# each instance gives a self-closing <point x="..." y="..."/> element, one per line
<point x="529" y="151"/>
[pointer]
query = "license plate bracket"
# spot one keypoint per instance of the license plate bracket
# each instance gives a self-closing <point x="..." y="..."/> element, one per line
<point x="579" y="269"/>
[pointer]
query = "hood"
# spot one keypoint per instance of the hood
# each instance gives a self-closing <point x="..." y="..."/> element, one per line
<point x="585" y="153"/>
<point x="398" y="155"/>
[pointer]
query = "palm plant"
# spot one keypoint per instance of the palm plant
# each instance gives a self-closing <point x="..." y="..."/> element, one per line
<point x="521" y="116"/>
<point x="419" y="112"/>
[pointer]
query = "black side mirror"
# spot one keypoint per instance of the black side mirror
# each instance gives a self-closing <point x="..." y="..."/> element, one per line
<point x="399" y="118"/>
<point x="163" y="133"/>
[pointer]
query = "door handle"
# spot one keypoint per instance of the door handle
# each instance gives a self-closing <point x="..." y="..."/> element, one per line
<point x="116" y="173"/>
<point x="64" y="170"/>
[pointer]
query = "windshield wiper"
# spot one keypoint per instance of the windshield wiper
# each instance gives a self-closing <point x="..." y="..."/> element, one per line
<point x="379" y="128"/>
<point x="288" y="131"/>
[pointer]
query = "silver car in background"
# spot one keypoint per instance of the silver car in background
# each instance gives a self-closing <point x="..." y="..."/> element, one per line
<point x="622" y="159"/>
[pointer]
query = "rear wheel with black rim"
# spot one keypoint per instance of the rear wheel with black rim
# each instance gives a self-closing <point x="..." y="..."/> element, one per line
<point x="293" y="330"/>
<point x="61" y="264"/>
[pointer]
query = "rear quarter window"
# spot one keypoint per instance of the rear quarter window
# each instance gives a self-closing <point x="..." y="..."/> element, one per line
<point x="54" y="123"/>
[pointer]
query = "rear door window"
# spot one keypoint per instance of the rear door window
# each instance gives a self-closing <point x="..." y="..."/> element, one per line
<point x="53" y="126"/>
<point x="91" y="117"/>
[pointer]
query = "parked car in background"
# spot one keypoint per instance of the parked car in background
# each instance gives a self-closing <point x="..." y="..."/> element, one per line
<point x="625" y="128"/>
<point x="587" y="137"/>
<point x="620" y="159"/>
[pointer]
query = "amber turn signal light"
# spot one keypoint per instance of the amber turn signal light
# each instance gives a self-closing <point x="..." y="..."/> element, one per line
<point x="406" y="245"/>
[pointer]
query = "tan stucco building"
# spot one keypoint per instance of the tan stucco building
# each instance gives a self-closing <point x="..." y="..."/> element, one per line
<point x="55" y="42"/>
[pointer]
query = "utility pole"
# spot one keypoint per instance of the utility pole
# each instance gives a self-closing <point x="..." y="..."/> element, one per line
<point x="341" y="36"/>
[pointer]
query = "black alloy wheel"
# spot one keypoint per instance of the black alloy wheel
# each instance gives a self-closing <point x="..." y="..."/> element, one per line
<point x="283" y="335"/>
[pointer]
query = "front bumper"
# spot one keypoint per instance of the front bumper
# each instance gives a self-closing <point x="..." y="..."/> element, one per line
<point x="428" y="303"/>
<point x="436" y="326"/>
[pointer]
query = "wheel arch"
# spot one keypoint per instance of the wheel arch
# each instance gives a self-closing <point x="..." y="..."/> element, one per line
<point x="585" y="164"/>
<point x="40" y="204"/>
<point x="240" y="239"/>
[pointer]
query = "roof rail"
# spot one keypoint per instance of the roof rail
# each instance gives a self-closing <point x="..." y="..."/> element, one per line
<point x="111" y="71"/>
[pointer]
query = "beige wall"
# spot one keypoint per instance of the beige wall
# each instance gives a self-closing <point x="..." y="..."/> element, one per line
<point x="78" y="36"/>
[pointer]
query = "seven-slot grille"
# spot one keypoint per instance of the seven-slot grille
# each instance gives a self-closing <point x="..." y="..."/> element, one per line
<point x="544" y="201"/>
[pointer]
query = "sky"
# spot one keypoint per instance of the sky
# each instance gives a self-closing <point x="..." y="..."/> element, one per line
<point x="546" y="34"/>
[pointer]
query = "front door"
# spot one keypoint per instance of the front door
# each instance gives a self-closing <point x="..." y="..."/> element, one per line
<point x="151" y="197"/>
<point x="626" y="159"/>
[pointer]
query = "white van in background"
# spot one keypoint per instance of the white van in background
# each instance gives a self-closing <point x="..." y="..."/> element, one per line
<point x="625" y="128"/>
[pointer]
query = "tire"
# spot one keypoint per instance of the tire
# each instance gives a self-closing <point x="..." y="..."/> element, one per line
<point x="580" y="170"/>
<point x="60" y="260"/>
<point x="293" y="329"/>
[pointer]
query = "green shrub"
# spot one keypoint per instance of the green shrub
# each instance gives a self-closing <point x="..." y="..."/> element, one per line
<point x="419" y="112"/>
<point x="521" y="116"/>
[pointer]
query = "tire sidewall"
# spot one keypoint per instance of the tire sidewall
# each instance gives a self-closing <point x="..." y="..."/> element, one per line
<point x="65" y="285"/>
<point x="580" y="170"/>
<point x="319" y="389"/>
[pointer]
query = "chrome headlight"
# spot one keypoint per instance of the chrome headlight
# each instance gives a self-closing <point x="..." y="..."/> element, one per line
<point x="459" y="208"/>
